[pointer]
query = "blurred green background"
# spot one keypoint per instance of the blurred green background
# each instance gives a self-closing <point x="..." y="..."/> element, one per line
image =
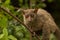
<point x="10" y="29"/>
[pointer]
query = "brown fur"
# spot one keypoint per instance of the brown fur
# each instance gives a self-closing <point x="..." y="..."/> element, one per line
<point x="41" y="20"/>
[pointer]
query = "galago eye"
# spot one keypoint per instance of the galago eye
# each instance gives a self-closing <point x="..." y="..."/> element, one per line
<point x="27" y="16"/>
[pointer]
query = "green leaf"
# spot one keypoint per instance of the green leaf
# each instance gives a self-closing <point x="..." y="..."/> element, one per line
<point x="12" y="37"/>
<point x="3" y="21"/>
<point x="42" y="5"/>
<point x="52" y="37"/>
<point x="50" y="1"/>
<point x="5" y="32"/>
<point x="1" y="36"/>
<point x="7" y="2"/>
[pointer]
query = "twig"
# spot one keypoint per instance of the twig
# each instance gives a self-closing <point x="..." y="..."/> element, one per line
<point x="8" y="12"/>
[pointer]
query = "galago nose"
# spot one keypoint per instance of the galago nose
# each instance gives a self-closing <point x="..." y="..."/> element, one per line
<point x="29" y="19"/>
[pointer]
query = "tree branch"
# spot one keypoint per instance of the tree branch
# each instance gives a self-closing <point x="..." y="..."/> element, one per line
<point x="8" y="12"/>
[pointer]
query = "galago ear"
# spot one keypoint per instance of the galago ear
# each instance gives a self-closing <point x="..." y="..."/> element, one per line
<point x="35" y="10"/>
<point x="23" y="12"/>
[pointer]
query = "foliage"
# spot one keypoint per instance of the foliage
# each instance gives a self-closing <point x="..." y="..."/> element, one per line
<point x="10" y="29"/>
